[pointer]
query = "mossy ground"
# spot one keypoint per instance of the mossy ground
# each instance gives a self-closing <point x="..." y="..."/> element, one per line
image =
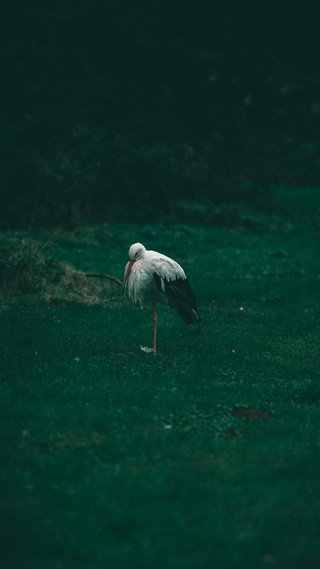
<point x="204" y="456"/>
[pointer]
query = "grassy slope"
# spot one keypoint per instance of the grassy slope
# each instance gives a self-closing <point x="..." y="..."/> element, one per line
<point x="205" y="456"/>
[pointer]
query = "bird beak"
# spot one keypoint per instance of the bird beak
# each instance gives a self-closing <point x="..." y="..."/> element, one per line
<point x="128" y="271"/>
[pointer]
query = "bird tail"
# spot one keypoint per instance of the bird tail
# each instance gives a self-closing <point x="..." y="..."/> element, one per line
<point x="188" y="314"/>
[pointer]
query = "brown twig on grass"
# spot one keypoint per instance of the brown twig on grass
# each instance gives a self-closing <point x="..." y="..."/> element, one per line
<point x="104" y="276"/>
<point x="116" y="298"/>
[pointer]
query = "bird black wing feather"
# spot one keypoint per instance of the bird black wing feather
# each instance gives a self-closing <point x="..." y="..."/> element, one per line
<point x="178" y="290"/>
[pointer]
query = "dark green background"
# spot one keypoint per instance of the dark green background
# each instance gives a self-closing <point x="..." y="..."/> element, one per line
<point x="111" y="110"/>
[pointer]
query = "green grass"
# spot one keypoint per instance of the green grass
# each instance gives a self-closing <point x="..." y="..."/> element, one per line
<point x="204" y="456"/>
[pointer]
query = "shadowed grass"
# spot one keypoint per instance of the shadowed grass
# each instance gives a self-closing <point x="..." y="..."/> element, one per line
<point x="204" y="456"/>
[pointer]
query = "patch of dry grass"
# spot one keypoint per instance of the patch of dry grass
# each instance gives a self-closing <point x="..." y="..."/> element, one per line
<point x="27" y="266"/>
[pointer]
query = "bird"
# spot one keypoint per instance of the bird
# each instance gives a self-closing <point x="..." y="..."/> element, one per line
<point x="156" y="277"/>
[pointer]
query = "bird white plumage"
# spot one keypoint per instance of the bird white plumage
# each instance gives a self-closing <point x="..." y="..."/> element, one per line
<point x="154" y="276"/>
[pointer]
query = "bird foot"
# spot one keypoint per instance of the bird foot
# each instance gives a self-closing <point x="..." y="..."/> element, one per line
<point x="146" y="349"/>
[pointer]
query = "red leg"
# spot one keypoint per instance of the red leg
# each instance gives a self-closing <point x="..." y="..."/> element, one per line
<point x="155" y="322"/>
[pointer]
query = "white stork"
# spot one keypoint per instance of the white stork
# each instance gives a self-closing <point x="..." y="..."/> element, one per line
<point x="154" y="276"/>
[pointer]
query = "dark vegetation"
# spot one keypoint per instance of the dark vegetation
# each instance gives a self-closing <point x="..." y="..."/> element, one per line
<point x="112" y="110"/>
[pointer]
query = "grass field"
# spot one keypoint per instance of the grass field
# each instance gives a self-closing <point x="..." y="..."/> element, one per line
<point x="205" y="456"/>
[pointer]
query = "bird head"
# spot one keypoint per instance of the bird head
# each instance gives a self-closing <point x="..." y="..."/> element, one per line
<point x="136" y="252"/>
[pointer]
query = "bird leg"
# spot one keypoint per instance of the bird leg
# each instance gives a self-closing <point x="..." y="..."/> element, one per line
<point x="155" y="322"/>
